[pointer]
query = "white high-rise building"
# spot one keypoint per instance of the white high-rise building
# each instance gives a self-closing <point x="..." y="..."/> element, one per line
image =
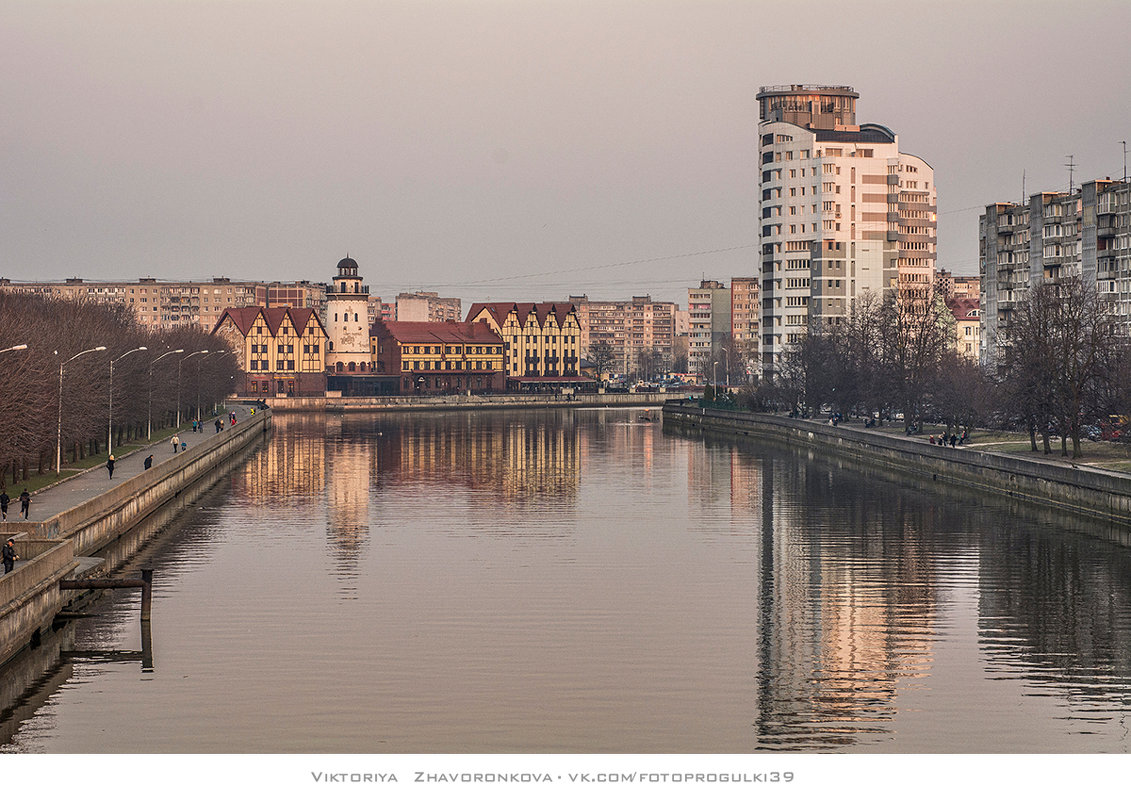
<point x="843" y="213"/>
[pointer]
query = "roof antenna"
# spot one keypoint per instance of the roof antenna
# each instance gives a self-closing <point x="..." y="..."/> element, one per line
<point x="1071" y="165"/>
<point x="1022" y="187"/>
<point x="1124" y="143"/>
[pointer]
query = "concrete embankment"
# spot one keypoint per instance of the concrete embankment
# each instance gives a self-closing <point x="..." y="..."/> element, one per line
<point x="1102" y="494"/>
<point x="414" y="403"/>
<point x="49" y="549"/>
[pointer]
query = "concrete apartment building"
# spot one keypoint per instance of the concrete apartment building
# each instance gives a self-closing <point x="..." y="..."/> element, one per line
<point x="709" y="326"/>
<point x="745" y="314"/>
<point x="632" y="327"/>
<point x="170" y="304"/>
<point x="425" y="307"/>
<point x="1085" y="232"/>
<point x="957" y="286"/>
<point x="843" y="213"/>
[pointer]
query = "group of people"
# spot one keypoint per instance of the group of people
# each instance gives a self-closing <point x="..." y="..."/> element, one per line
<point x="25" y="503"/>
<point x="953" y="440"/>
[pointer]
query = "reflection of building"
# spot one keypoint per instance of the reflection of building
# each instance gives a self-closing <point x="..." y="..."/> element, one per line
<point x="528" y="458"/>
<point x="439" y="357"/>
<point x="290" y="472"/>
<point x="281" y="350"/>
<point x="543" y="341"/>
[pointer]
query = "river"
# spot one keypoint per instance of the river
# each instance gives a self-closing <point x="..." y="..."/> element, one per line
<point x="581" y="581"/>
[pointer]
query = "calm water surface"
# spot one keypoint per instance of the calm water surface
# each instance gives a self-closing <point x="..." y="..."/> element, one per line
<point x="580" y="581"/>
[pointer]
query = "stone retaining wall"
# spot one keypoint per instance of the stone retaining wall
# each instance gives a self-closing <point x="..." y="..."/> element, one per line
<point x="1104" y="494"/>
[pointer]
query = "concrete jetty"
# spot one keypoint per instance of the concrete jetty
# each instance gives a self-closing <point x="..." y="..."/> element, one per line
<point x="74" y="519"/>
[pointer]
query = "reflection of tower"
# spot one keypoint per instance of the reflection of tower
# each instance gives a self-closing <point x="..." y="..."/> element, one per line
<point x="348" y="490"/>
<point x="347" y="321"/>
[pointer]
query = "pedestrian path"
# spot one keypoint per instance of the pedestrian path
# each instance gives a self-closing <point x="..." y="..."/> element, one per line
<point x="91" y="483"/>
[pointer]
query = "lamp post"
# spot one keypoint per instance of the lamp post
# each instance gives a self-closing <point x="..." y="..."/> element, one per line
<point x="727" y="352"/>
<point x="59" y="429"/>
<point x="198" y="363"/>
<point x="179" y="363"/>
<point x="13" y="347"/>
<point x="110" y="414"/>
<point x="149" y="423"/>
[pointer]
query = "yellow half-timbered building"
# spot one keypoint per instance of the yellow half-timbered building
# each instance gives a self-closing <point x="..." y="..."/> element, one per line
<point x="543" y="341"/>
<point x="282" y="350"/>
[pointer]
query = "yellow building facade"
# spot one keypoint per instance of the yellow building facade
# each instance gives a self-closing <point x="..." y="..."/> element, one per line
<point x="543" y="340"/>
<point x="282" y="351"/>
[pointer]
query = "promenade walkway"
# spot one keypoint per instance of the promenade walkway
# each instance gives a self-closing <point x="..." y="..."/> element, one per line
<point x="60" y="497"/>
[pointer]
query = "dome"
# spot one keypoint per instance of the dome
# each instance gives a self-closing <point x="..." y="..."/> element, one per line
<point x="347" y="264"/>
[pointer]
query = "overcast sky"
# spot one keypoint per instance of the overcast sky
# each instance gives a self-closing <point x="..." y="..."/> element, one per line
<point x="507" y="150"/>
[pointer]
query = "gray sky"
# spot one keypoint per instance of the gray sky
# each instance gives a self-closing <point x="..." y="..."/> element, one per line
<point x="507" y="150"/>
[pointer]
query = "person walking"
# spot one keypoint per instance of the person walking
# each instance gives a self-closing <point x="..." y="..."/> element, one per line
<point x="9" y="555"/>
<point x="148" y="461"/>
<point x="4" y="501"/>
<point x="25" y="503"/>
<point x="110" y="465"/>
<point x="176" y="443"/>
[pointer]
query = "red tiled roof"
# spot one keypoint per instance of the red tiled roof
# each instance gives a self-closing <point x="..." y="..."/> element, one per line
<point x="964" y="308"/>
<point x="542" y="311"/>
<point x="244" y="317"/>
<point x="477" y="333"/>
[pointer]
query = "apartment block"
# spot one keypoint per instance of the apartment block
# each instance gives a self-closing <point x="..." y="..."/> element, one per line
<point x="745" y="314"/>
<point x="423" y="307"/>
<point x="1084" y="232"/>
<point x="843" y="213"/>
<point x="709" y="325"/>
<point x="640" y="331"/>
<point x="170" y="304"/>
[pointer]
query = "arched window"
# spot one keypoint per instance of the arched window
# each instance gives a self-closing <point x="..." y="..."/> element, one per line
<point x="353" y="367"/>
<point x="339" y="367"/>
<point x="355" y="317"/>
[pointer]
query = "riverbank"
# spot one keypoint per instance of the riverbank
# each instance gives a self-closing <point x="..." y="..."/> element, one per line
<point x="397" y="403"/>
<point x="1097" y="492"/>
<point x="73" y="520"/>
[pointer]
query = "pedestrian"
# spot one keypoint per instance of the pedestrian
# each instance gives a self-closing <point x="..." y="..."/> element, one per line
<point x="184" y="446"/>
<point x="194" y="426"/>
<point x="4" y="501"/>
<point x="932" y="439"/>
<point x="148" y="461"/>
<point x="25" y="503"/>
<point x="953" y="440"/>
<point x="219" y="425"/>
<point x="10" y="556"/>
<point x="176" y="443"/>
<point x="110" y="465"/>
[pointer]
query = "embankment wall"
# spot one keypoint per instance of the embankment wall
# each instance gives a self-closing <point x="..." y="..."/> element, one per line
<point x="1103" y="494"/>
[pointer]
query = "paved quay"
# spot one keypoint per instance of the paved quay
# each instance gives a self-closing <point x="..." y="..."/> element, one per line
<point x="91" y="483"/>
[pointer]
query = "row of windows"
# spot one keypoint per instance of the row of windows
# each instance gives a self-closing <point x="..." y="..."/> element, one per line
<point x="440" y="365"/>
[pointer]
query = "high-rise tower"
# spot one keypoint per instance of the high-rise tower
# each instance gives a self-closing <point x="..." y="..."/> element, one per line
<point x="347" y="322"/>
<point x="843" y="213"/>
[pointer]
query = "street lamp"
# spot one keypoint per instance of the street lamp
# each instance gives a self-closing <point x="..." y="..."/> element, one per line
<point x="727" y="352"/>
<point x="14" y="347"/>
<point x="110" y="415"/>
<point x="179" y="363"/>
<point x="149" y="424"/>
<point x="198" y="363"/>
<point x="59" y="429"/>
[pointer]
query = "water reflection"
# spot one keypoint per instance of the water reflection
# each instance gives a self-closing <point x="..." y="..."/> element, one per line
<point x="582" y="581"/>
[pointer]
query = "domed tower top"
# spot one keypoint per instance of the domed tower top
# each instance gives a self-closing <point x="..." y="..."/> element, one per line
<point x="347" y="268"/>
<point x="347" y="281"/>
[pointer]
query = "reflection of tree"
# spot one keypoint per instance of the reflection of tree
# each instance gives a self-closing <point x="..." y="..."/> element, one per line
<point x="1057" y="606"/>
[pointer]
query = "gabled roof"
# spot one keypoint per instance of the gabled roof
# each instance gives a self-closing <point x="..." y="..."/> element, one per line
<point x="964" y="308"/>
<point x="542" y="311"/>
<point x="442" y="332"/>
<point x="244" y="318"/>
